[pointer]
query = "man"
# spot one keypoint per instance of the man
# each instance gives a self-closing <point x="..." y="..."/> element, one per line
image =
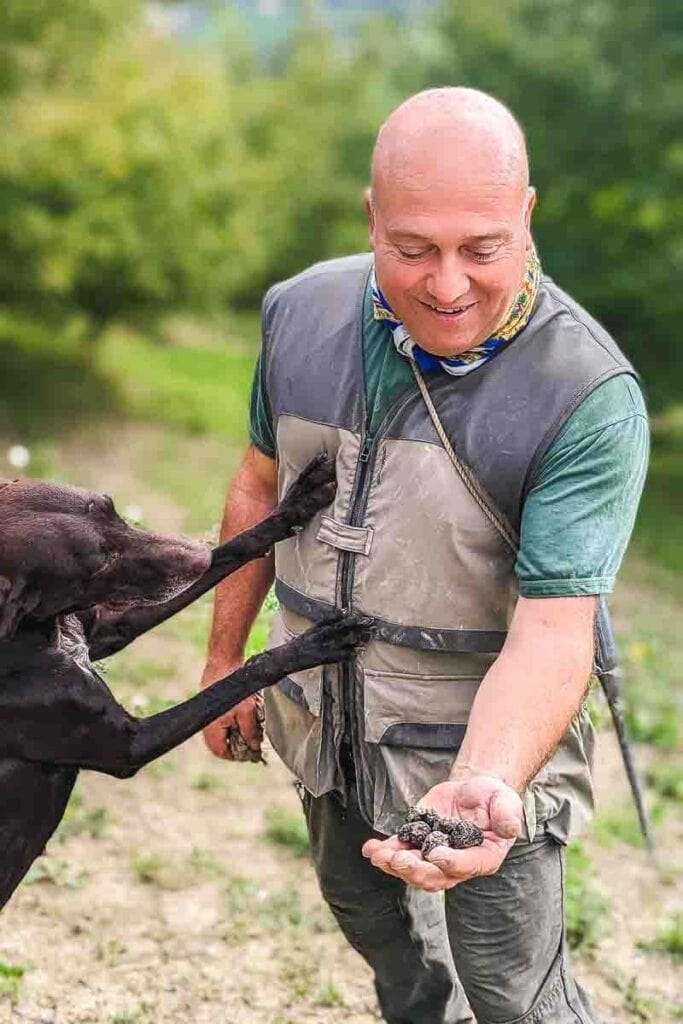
<point x="482" y="565"/>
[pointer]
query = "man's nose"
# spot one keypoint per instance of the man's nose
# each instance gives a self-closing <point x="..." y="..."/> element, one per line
<point x="448" y="281"/>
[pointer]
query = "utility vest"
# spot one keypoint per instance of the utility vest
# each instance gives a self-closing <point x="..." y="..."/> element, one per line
<point x="407" y="542"/>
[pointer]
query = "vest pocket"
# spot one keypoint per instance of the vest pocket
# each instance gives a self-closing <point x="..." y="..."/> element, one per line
<point x="298" y="715"/>
<point x="305" y="688"/>
<point x="427" y="712"/>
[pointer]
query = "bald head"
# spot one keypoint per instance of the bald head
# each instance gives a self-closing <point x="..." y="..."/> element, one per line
<point x="451" y="132"/>
<point x="450" y="216"/>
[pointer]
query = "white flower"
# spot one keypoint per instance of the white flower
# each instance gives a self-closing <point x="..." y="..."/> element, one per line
<point x="18" y="456"/>
<point x="134" y="513"/>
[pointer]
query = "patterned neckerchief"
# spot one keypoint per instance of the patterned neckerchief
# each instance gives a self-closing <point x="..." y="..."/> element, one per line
<point x="515" y="321"/>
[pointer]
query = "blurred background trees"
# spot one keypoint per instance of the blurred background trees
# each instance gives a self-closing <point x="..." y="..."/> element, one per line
<point x="161" y="157"/>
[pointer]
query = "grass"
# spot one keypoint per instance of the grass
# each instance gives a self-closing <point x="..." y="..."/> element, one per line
<point x="207" y="782"/>
<point x="110" y="951"/>
<point x="288" y="830"/>
<point x="667" y="781"/>
<point x="657" y="532"/>
<point x="11" y="977"/>
<point x="669" y="940"/>
<point x="173" y="872"/>
<point x="330" y="995"/>
<point x="201" y="390"/>
<point x="79" y="820"/>
<point x="620" y="824"/>
<point x="585" y="905"/>
<point x="57" y="871"/>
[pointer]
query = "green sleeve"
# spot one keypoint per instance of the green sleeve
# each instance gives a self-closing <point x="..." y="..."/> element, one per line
<point x="578" y="516"/>
<point x="260" y="417"/>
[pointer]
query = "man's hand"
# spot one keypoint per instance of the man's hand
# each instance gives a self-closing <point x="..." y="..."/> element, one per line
<point x="487" y="801"/>
<point x="243" y="717"/>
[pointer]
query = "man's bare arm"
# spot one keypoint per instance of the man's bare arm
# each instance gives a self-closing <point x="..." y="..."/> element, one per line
<point x="532" y="691"/>
<point x="523" y="707"/>
<point x="251" y="497"/>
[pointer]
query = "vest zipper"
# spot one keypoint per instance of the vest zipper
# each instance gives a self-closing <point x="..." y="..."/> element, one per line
<point x="357" y="505"/>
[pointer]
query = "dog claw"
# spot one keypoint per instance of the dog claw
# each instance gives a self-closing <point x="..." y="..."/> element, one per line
<point x="335" y="638"/>
<point x="313" y="490"/>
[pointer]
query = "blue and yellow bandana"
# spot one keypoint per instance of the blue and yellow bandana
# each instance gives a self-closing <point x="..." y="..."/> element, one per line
<point x="515" y="321"/>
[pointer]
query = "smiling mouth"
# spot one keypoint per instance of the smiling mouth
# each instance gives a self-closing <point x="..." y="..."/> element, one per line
<point x="452" y="312"/>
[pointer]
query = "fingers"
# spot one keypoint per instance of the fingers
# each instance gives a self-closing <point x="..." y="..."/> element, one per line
<point x="461" y="865"/>
<point x="215" y="736"/>
<point x="244" y="718"/>
<point x="247" y="721"/>
<point x="505" y="811"/>
<point x="443" y="868"/>
<point x="395" y="858"/>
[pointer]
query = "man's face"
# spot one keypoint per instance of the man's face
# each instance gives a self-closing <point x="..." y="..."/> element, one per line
<point x="450" y="252"/>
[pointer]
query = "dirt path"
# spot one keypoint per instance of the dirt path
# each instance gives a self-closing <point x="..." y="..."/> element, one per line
<point x="163" y="902"/>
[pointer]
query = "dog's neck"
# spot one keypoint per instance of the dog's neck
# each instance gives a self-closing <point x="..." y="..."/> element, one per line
<point x="64" y="632"/>
<point x="71" y="639"/>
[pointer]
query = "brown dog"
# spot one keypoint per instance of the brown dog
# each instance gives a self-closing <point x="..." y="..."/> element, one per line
<point x="77" y="583"/>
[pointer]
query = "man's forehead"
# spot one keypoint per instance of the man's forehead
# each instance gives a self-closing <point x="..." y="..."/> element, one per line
<point x="501" y="234"/>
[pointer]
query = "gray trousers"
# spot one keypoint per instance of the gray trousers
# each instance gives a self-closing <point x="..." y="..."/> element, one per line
<point x="504" y="933"/>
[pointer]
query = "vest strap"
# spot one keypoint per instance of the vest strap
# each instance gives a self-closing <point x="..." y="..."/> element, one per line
<point x="424" y="638"/>
<point x="345" y="538"/>
<point x="483" y="500"/>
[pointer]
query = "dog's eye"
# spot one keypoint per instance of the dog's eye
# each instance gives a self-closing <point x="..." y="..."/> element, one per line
<point x="103" y="503"/>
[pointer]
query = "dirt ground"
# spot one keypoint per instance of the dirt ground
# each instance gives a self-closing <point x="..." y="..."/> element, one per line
<point x="163" y="902"/>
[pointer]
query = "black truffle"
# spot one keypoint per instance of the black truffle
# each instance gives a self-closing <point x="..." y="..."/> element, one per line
<point x="433" y="840"/>
<point x="462" y="834"/>
<point x="424" y="814"/>
<point x="414" y="833"/>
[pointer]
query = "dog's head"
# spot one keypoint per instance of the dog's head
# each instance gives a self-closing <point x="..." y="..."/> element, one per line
<point x="63" y="549"/>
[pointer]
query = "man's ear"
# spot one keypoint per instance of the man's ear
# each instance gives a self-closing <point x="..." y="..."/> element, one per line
<point x="369" y="205"/>
<point x="529" y="208"/>
<point x="15" y="602"/>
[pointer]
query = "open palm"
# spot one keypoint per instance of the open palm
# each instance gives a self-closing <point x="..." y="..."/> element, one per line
<point x="487" y="801"/>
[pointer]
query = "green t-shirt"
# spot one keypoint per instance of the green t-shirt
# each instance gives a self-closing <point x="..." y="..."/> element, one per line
<point x="578" y="517"/>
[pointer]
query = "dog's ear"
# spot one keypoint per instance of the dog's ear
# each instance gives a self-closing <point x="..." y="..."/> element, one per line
<point x="15" y="601"/>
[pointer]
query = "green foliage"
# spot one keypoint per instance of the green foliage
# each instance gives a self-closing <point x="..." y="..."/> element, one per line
<point x="585" y="905"/>
<point x="287" y="829"/>
<point x="172" y="872"/>
<point x="657" y="531"/>
<point x="11" y="976"/>
<point x="202" y="390"/>
<point x="669" y="940"/>
<point x="141" y="175"/>
<point x="329" y="995"/>
<point x="117" y="187"/>
<point x="667" y="781"/>
<point x="620" y="824"/>
<point x="79" y="820"/>
<point x="56" y="871"/>
<point x="597" y="87"/>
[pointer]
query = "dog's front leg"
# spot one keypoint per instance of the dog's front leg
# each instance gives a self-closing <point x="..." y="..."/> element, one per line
<point x="331" y="640"/>
<point x="110" y="631"/>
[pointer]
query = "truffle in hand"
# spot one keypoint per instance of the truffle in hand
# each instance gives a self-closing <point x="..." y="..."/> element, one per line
<point x="433" y="840"/>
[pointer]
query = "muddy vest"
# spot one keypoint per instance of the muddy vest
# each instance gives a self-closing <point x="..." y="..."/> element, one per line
<point x="407" y="543"/>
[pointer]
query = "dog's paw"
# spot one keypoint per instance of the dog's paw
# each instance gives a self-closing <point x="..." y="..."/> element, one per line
<point x="313" y="489"/>
<point x="334" y="638"/>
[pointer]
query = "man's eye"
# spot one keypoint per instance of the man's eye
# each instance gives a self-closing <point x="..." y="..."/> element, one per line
<point x="483" y="255"/>
<point x="411" y="254"/>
